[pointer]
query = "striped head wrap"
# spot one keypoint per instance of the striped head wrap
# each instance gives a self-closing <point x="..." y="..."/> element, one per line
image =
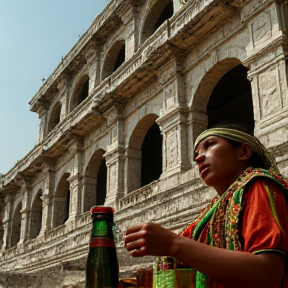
<point x="241" y="137"/>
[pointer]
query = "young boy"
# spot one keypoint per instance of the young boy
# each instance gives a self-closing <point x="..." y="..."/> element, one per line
<point x="241" y="239"/>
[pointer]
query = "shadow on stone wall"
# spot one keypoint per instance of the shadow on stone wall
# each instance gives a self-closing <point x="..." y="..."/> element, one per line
<point x="66" y="275"/>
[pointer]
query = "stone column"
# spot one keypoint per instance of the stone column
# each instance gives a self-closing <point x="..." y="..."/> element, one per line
<point x="63" y="87"/>
<point x="175" y="154"/>
<point x="197" y="122"/>
<point x="75" y="185"/>
<point x="115" y="156"/>
<point x="7" y="222"/>
<point x="134" y="39"/>
<point x="76" y="178"/>
<point x="25" y="216"/>
<point x="92" y="57"/>
<point x="133" y="169"/>
<point x="267" y="53"/>
<point x="173" y="121"/>
<point x="42" y="112"/>
<point x="88" y="192"/>
<point x="282" y="12"/>
<point x="46" y="205"/>
<point x="47" y="195"/>
<point x="115" y="175"/>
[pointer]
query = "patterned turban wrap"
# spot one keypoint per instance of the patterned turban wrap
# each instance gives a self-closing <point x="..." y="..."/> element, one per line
<point x="241" y="137"/>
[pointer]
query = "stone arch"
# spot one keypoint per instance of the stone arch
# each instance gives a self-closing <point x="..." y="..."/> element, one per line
<point x="161" y="11"/>
<point x="80" y="92"/>
<point x="16" y="225"/>
<point x="61" y="201"/>
<point x="232" y="99"/>
<point x="54" y="116"/>
<point x="212" y="101"/>
<point x="204" y="90"/>
<point x="95" y="181"/>
<point x="115" y="57"/>
<point x="144" y="148"/>
<point x="36" y="216"/>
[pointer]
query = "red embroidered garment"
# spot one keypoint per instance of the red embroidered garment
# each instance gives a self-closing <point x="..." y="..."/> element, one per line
<point x="263" y="223"/>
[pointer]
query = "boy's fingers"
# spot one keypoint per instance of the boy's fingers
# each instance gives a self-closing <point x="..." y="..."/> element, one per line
<point x="133" y="229"/>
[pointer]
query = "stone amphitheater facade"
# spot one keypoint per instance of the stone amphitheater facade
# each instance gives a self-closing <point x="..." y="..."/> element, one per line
<point x="118" y="119"/>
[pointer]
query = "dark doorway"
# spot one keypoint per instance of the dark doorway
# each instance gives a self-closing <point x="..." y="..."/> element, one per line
<point x="101" y="189"/>
<point x="120" y="58"/>
<point x="84" y="92"/>
<point x="62" y="201"/>
<point x="55" y="117"/>
<point x="67" y="204"/>
<point x="151" y="164"/>
<point x="231" y="99"/>
<point x="167" y="13"/>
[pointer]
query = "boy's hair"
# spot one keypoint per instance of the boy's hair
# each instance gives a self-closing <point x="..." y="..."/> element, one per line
<point x="237" y="124"/>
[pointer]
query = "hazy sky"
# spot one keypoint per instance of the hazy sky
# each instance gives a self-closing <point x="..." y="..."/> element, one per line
<point x="35" y="34"/>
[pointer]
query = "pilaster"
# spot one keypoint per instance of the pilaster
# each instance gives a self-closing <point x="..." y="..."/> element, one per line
<point x="63" y="87"/>
<point x="135" y="35"/>
<point x="7" y="222"/>
<point x="46" y="204"/>
<point x="133" y="164"/>
<point x="268" y="52"/>
<point x="115" y="156"/>
<point x="93" y="59"/>
<point x="76" y="178"/>
<point x="173" y="121"/>
<point x="174" y="130"/>
<point x="197" y="122"/>
<point x="48" y="170"/>
<point x="74" y="208"/>
<point x="25" y="216"/>
<point x="42" y="112"/>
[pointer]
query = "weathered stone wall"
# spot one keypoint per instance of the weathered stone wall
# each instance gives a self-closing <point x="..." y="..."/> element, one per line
<point x="167" y="78"/>
<point x="67" y="275"/>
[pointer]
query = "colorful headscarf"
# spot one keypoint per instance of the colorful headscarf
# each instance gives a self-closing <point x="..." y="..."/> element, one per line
<point x="241" y="137"/>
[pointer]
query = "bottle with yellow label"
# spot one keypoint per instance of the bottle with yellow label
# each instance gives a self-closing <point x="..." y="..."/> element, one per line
<point x="102" y="268"/>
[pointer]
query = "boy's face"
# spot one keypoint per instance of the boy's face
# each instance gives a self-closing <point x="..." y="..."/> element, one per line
<point x="218" y="162"/>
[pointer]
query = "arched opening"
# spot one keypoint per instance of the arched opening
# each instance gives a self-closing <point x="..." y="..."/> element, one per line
<point x="101" y="189"/>
<point x="144" y="154"/>
<point x="54" y="117"/>
<point x="151" y="154"/>
<point x="158" y="14"/>
<point x="62" y="201"/>
<point x="36" y="216"/>
<point x="115" y="57"/>
<point x="166" y="14"/>
<point x="16" y="226"/>
<point x="205" y="93"/>
<point x="120" y="58"/>
<point x="81" y="93"/>
<point x="231" y="99"/>
<point x="95" y="181"/>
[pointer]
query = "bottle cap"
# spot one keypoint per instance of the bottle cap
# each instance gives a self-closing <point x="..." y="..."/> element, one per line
<point x="101" y="209"/>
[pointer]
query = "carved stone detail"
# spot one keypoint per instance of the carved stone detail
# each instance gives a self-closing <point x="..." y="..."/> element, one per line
<point x="261" y="27"/>
<point x="269" y="91"/>
<point x="171" y="147"/>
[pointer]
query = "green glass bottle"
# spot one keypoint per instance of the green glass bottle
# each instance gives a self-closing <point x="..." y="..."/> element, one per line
<point x="102" y="268"/>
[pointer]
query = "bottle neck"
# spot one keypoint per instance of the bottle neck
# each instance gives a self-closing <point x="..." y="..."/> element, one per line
<point x="102" y="234"/>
